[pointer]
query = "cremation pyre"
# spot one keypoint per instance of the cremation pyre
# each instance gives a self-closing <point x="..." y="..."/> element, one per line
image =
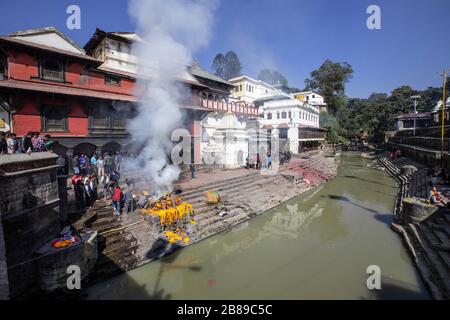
<point x="173" y="214"/>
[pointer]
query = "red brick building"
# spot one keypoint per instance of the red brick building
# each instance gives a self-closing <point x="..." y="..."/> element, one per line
<point x="51" y="85"/>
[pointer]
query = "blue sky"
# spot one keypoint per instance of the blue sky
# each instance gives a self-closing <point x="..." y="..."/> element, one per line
<point x="293" y="36"/>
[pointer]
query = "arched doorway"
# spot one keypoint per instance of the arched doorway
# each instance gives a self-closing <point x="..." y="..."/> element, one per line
<point x="84" y="148"/>
<point x="111" y="147"/>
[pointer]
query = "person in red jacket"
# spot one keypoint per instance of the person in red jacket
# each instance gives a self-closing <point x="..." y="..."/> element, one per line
<point x="116" y="198"/>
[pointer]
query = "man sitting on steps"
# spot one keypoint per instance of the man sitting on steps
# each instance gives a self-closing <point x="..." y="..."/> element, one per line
<point x="436" y="198"/>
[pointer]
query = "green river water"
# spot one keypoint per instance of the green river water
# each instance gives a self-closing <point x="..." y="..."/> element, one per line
<point x="316" y="246"/>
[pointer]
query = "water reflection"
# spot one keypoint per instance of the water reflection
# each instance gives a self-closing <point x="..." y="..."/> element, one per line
<point x="315" y="246"/>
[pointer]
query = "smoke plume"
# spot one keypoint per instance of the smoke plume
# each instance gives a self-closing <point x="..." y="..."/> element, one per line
<point x="172" y="31"/>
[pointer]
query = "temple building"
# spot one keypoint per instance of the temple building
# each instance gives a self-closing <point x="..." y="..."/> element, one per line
<point x="294" y="122"/>
<point x="312" y="98"/>
<point x="83" y="97"/>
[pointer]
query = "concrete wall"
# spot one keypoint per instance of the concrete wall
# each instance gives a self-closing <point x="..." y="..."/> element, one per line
<point x="29" y="213"/>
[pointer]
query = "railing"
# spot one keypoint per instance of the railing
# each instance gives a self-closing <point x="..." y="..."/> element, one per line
<point x="235" y="107"/>
<point x="433" y="143"/>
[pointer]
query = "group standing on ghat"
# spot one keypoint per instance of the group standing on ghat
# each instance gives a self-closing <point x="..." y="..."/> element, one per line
<point x="31" y="142"/>
<point x="104" y="170"/>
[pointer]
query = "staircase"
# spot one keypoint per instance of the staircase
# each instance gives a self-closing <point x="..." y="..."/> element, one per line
<point x="116" y="248"/>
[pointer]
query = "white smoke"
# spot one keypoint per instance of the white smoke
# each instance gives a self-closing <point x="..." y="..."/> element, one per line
<point x="172" y="31"/>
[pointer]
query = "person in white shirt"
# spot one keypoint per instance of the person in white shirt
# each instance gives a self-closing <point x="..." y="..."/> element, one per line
<point x="10" y="141"/>
<point x="101" y="168"/>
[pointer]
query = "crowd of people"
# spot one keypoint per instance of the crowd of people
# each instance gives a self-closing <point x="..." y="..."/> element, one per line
<point x="265" y="162"/>
<point x="33" y="141"/>
<point x="105" y="171"/>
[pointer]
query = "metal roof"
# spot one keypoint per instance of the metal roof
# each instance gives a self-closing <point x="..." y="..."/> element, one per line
<point x="198" y="71"/>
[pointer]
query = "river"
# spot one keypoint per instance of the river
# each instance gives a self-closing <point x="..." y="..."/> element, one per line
<point x="316" y="246"/>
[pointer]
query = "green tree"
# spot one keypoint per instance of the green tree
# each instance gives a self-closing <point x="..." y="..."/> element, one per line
<point x="272" y="77"/>
<point x="401" y="99"/>
<point x="329" y="80"/>
<point x="227" y="66"/>
<point x="219" y="65"/>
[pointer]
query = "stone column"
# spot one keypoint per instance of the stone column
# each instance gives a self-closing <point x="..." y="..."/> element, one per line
<point x="293" y="140"/>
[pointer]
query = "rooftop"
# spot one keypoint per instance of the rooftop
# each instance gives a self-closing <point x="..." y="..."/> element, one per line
<point x="41" y="47"/>
<point x="197" y="71"/>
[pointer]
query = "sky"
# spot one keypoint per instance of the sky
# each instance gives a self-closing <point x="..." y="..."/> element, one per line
<point x="293" y="36"/>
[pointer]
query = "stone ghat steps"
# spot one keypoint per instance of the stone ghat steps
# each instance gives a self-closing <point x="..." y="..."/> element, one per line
<point x="198" y="200"/>
<point x="187" y="193"/>
<point x="436" y="260"/>
<point x="416" y="184"/>
<point x="241" y="208"/>
<point x="235" y="196"/>
<point x="318" y="164"/>
<point x="116" y="249"/>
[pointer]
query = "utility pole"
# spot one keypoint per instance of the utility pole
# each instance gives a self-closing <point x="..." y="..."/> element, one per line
<point x="415" y="111"/>
<point x="444" y="79"/>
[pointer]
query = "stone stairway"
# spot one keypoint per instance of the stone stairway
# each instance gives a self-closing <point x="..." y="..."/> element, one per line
<point x="428" y="241"/>
<point x="241" y="198"/>
<point x="116" y="248"/>
<point x="315" y="167"/>
<point x="431" y="245"/>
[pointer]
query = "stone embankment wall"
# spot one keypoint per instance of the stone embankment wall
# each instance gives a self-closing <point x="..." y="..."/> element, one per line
<point x="4" y="286"/>
<point x="424" y="228"/>
<point x="29" y="213"/>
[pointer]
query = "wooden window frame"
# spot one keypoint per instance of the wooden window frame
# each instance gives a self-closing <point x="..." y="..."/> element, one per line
<point x="61" y="62"/>
<point x="44" y="109"/>
<point x="110" y="76"/>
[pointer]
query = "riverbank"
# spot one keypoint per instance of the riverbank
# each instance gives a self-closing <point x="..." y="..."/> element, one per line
<point x="425" y="229"/>
<point x="317" y="245"/>
<point x="133" y="240"/>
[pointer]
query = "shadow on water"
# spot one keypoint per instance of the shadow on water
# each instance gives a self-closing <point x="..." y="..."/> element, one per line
<point x="384" y="218"/>
<point x="124" y="286"/>
<point x="167" y="262"/>
<point x="369" y="181"/>
<point x="393" y="289"/>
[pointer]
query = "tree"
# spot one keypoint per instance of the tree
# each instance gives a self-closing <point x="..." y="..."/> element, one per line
<point x="272" y="77"/>
<point x="329" y="80"/>
<point x="233" y="66"/>
<point x="227" y="66"/>
<point x="401" y="99"/>
<point x="219" y="65"/>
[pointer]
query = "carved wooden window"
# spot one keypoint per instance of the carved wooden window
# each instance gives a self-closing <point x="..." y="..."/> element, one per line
<point x="52" y="69"/>
<point x="100" y="117"/>
<point x="54" y="119"/>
